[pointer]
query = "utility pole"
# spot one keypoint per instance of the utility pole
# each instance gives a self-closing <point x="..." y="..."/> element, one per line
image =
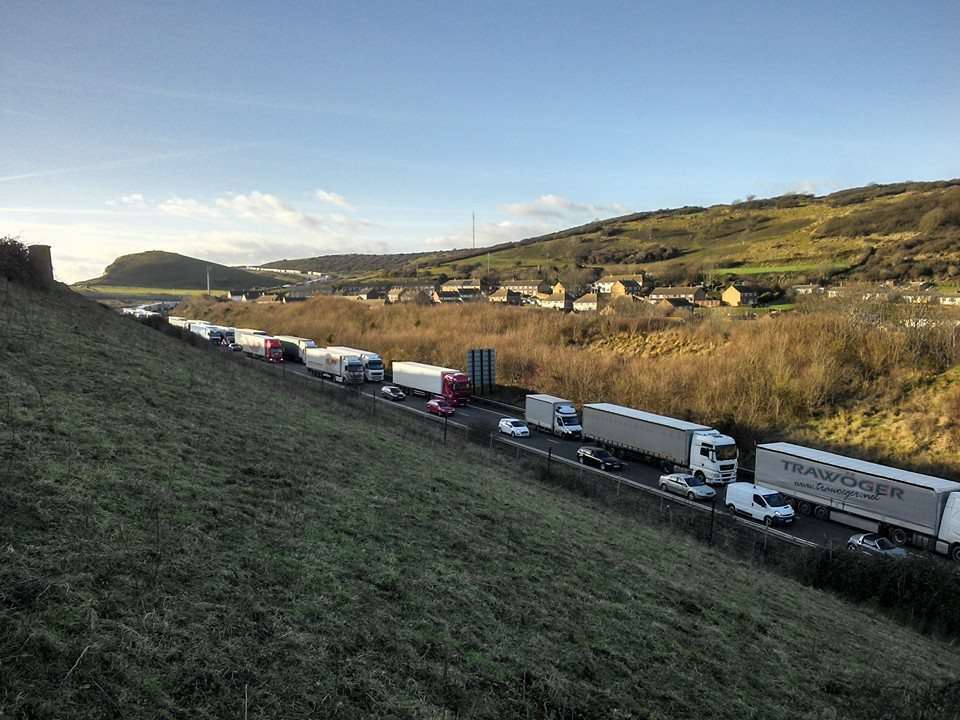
<point x="208" y="279"/>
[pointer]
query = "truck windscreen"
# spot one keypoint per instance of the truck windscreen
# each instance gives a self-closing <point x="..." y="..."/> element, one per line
<point x="726" y="452"/>
<point x="375" y="364"/>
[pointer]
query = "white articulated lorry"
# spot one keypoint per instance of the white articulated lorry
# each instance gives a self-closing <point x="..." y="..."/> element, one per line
<point x="554" y="415"/>
<point x="327" y="362"/>
<point x="295" y="347"/>
<point x="256" y="343"/>
<point x="211" y="333"/>
<point x="907" y="507"/>
<point x="432" y="380"/>
<point x="677" y="445"/>
<point x="372" y="362"/>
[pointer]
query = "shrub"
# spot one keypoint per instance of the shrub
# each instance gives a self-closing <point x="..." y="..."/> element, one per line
<point x="15" y="262"/>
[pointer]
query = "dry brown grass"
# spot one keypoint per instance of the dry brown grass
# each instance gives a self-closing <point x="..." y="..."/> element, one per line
<point x="761" y="379"/>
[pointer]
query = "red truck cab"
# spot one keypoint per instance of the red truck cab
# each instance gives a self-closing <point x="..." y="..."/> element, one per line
<point x="456" y="388"/>
<point x="273" y="350"/>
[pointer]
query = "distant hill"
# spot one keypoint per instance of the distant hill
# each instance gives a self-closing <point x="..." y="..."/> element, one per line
<point x="157" y="269"/>
<point x="351" y="263"/>
<point x="899" y="231"/>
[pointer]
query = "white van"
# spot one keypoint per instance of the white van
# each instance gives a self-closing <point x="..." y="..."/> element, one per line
<point x="759" y="502"/>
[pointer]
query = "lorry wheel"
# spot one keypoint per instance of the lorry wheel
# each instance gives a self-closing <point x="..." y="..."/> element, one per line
<point x="955" y="553"/>
<point x="804" y="508"/>
<point x="667" y="467"/>
<point x="821" y="513"/>
<point x="898" y="536"/>
<point x="700" y="476"/>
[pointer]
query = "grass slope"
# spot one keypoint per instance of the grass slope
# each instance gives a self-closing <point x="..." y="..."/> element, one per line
<point x="899" y="231"/>
<point x="156" y="269"/>
<point x="182" y="537"/>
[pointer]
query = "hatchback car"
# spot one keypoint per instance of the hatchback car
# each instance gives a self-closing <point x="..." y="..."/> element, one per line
<point x="236" y="347"/>
<point x="598" y="457"/>
<point x="873" y="544"/>
<point x="692" y="488"/>
<point x="392" y="392"/>
<point x="439" y="406"/>
<point x="513" y="427"/>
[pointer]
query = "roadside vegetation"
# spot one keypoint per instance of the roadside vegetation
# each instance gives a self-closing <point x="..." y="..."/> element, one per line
<point x="858" y="379"/>
<point x="185" y="537"/>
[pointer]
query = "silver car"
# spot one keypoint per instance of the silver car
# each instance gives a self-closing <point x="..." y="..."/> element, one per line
<point x="873" y="544"/>
<point x="689" y="486"/>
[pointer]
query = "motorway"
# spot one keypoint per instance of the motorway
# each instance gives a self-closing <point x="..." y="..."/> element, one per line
<point x="483" y="415"/>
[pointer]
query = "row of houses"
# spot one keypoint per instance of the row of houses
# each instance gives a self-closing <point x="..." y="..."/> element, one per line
<point x="914" y="293"/>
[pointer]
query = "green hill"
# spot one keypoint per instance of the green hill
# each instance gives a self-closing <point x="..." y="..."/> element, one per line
<point x="187" y="537"/>
<point x="165" y="270"/>
<point x="879" y="232"/>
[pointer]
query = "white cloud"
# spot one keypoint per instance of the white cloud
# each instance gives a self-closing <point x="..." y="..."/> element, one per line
<point x="487" y="234"/>
<point x="555" y="206"/>
<point x="266" y="207"/>
<point x="333" y="198"/>
<point x="187" y="208"/>
<point x="133" y="200"/>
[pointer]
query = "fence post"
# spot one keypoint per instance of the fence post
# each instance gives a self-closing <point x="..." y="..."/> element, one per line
<point x="444" y="429"/>
<point x="549" y="459"/>
<point x="713" y="515"/>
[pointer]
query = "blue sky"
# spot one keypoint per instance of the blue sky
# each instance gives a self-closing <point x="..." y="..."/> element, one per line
<point x="245" y="132"/>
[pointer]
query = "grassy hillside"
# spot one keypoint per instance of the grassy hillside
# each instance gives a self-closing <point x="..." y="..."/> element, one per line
<point x="878" y="232"/>
<point x="183" y="537"/>
<point x="824" y="374"/>
<point x="156" y="269"/>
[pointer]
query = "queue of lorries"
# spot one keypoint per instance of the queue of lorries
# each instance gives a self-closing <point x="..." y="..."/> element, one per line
<point x="892" y="507"/>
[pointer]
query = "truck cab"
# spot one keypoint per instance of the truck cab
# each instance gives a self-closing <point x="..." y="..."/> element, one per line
<point x="713" y="457"/>
<point x="353" y="369"/>
<point x="948" y="539"/>
<point x="567" y="423"/>
<point x="373" y="367"/>
<point x="456" y="388"/>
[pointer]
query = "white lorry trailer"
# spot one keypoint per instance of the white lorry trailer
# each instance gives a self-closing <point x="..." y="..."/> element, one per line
<point x="908" y="507"/>
<point x="432" y="380"/>
<point x="340" y="367"/>
<point x="211" y="333"/>
<point x="294" y="347"/>
<point x="677" y="445"/>
<point x="177" y="321"/>
<point x="372" y="362"/>
<point x="553" y="415"/>
<point x="256" y="343"/>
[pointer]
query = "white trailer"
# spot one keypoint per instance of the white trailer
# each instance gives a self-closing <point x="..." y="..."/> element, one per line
<point x="209" y="332"/>
<point x="341" y="367"/>
<point x="256" y="343"/>
<point x="294" y="347"/>
<point x="554" y="415"/>
<point x="177" y="321"/>
<point x="432" y="380"/>
<point x="677" y="445"/>
<point x="372" y="362"/>
<point x="908" y="507"/>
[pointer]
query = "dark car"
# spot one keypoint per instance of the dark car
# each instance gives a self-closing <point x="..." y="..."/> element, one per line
<point x="439" y="406"/>
<point x="392" y="392"/>
<point x="598" y="457"/>
<point x="873" y="544"/>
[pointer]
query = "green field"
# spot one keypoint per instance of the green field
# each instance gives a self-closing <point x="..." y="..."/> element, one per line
<point x="186" y="537"/>
<point x="149" y="292"/>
